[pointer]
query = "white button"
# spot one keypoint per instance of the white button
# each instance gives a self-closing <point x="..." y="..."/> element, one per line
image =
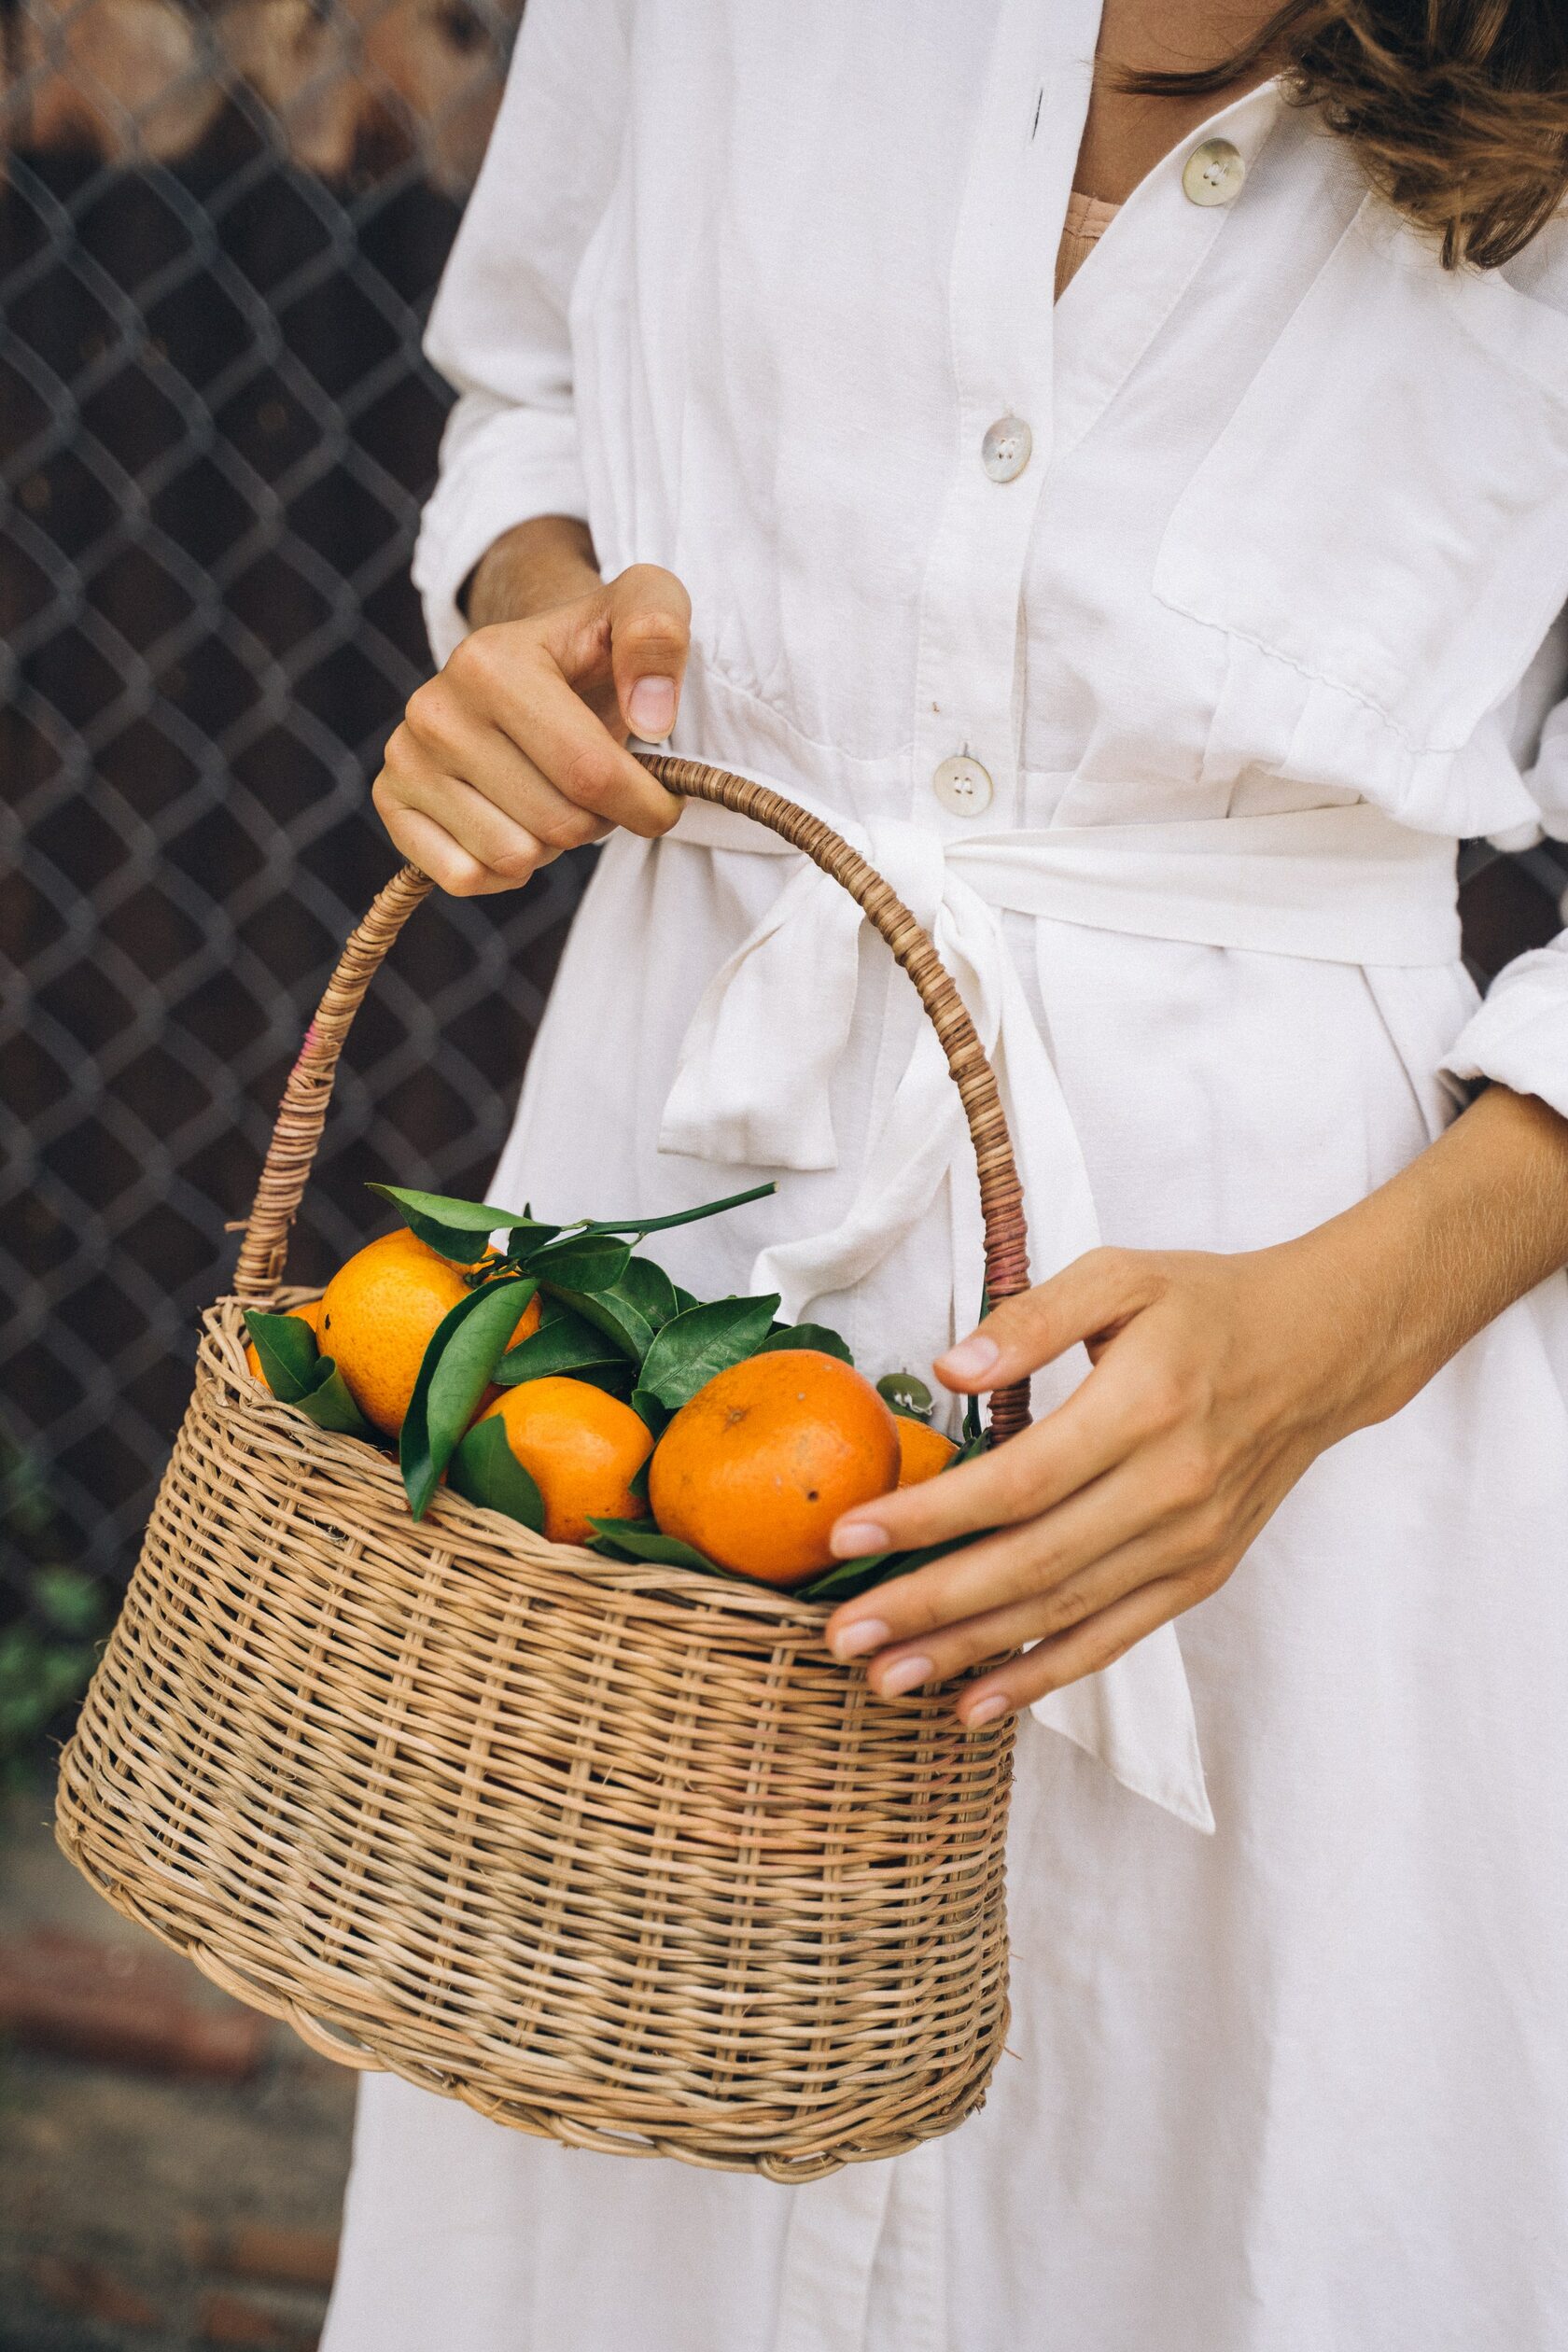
<point x="962" y="787"/>
<point x="1005" y="450"/>
<point x="1213" y="172"/>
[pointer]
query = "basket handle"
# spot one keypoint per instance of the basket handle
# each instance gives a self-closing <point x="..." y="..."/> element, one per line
<point x="302" y="1112"/>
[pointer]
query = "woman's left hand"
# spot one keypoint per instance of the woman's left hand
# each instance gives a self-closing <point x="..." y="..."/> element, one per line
<point x="1215" y="1381"/>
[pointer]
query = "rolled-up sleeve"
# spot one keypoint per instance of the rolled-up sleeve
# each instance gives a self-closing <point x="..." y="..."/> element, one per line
<point x="499" y="331"/>
<point x="1520" y="1035"/>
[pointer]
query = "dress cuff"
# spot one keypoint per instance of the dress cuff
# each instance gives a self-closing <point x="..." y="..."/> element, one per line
<point x="1520" y="1035"/>
<point x="500" y="465"/>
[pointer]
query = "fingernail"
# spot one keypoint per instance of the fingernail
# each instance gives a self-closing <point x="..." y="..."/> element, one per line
<point x="866" y="1633"/>
<point x="903" y="1676"/>
<point x="970" y="1358"/>
<point x="985" y="1711"/>
<point x="650" y="708"/>
<point x="852" y="1538"/>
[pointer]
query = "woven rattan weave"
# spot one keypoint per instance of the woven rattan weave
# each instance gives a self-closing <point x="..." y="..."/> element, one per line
<point x="615" y="1854"/>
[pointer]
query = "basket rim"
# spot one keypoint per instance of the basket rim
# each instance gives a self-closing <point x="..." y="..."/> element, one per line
<point x="222" y="1350"/>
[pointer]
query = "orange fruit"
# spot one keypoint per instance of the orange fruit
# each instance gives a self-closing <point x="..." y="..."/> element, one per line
<point x="378" y="1315"/>
<point x="922" y="1450"/>
<point x="582" y="1448"/>
<point x="309" y="1313"/>
<point x="756" y="1468"/>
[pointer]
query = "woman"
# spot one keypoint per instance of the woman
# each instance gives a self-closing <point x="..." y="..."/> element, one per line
<point x="1159" y="646"/>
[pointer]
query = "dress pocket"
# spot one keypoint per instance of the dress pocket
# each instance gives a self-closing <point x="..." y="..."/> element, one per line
<point x="1387" y="510"/>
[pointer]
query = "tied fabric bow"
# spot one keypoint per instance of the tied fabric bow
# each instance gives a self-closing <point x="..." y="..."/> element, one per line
<point x="753" y="1087"/>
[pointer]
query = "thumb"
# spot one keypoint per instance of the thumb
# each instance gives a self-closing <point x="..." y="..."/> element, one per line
<point x="1087" y="1300"/>
<point x="650" y="638"/>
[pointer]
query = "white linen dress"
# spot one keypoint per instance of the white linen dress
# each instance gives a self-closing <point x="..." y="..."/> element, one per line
<point x="1263" y="623"/>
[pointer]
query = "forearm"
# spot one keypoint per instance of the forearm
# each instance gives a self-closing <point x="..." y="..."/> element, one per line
<point x="1425" y="1262"/>
<point x="536" y="565"/>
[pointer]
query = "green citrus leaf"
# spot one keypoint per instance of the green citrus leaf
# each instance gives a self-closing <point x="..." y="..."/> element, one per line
<point x="524" y="1240"/>
<point x="651" y="1292"/>
<point x="289" y="1351"/>
<point x="845" y="1578"/>
<point x="850" y="1577"/>
<point x="656" y="1415"/>
<point x="639" y="1539"/>
<point x="453" y="1374"/>
<point x="329" y="1403"/>
<point x="581" y="1260"/>
<point x="484" y="1470"/>
<point x="459" y="1229"/>
<point x="608" y="1312"/>
<point x="818" y="1335"/>
<point x="906" y="1395"/>
<point x="616" y="1379"/>
<point x="563" y="1342"/>
<point x="299" y="1373"/>
<point x="703" y="1340"/>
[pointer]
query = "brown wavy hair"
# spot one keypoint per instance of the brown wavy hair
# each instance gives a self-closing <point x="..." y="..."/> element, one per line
<point x="1457" y="109"/>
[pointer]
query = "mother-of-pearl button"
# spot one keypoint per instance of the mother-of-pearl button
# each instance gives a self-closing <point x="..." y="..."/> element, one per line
<point x="962" y="787"/>
<point x="1213" y="172"/>
<point x="1005" y="450"/>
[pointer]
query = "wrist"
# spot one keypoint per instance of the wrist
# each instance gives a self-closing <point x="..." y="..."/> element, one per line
<point x="1363" y="1307"/>
<point x="533" y="567"/>
<point x="1396" y="1285"/>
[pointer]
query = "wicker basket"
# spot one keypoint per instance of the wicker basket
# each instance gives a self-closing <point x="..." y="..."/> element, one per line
<point x="614" y="1854"/>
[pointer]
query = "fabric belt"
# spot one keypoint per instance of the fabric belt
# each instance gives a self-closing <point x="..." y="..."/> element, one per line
<point x="1343" y="884"/>
<point x="754" y="1078"/>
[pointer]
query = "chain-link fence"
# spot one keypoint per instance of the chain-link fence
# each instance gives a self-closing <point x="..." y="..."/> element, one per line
<point x="219" y="232"/>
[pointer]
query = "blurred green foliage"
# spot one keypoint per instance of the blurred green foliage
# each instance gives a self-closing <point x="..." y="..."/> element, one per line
<point x="53" y="1614"/>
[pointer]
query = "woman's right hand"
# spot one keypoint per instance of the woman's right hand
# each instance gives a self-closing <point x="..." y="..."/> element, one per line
<point x="516" y="750"/>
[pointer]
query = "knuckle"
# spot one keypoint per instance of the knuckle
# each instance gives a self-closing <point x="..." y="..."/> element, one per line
<point x="1047" y="1566"/>
<point x="929" y="1608"/>
<point x="1212" y="1527"/>
<point x="1204" y="1534"/>
<point x="1114" y="1271"/>
<point x="427" y="714"/>
<point x="514" y="865"/>
<point x="653" y="631"/>
<point x="1192" y="1476"/>
<point x="472" y="661"/>
<point x="1012" y="1482"/>
<point x="1163" y="1398"/>
<point x="1194" y="1584"/>
<point x="398" y="761"/>
<point x="1106" y="1651"/>
<point x="587" y="778"/>
<point x="1020" y="1318"/>
<point x="664" y="816"/>
<point x="567" y="828"/>
<point x="462" y="876"/>
<point x="1061" y="1607"/>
